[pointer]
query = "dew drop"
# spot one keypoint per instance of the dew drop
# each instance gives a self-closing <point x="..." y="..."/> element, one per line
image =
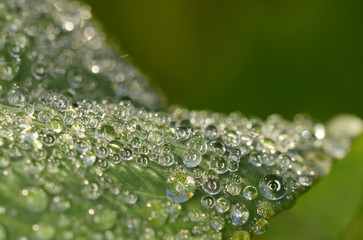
<point x="207" y="202"/>
<point x="211" y="185"/>
<point x="155" y="137"/>
<point x="101" y="219"/>
<point x="43" y="231"/>
<point x="217" y="147"/>
<point x="182" y="133"/>
<point x="211" y="133"/>
<point x="34" y="199"/>
<point x="173" y="208"/>
<point x="91" y="191"/>
<point x="217" y="223"/>
<point x="260" y="226"/>
<point x="264" y="209"/>
<point x="239" y="214"/>
<point x="18" y="96"/>
<point x="231" y="139"/>
<point x="142" y="160"/>
<point x="250" y="192"/>
<point x="222" y="205"/>
<point x="106" y="132"/>
<point x="166" y="159"/>
<point x="156" y="213"/>
<point x="7" y="72"/>
<point x="180" y="187"/>
<point x="219" y="164"/>
<point x="198" y="144"/>
<point x="272" y="187"/>
<point x="192" y="158"/>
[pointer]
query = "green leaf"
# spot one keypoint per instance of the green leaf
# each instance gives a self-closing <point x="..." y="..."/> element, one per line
<point x="85" y="153"/>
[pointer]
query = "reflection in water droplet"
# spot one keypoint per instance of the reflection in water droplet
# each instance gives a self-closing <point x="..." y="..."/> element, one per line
<point x="180" y="187"/>
<point x="272" y="187"/>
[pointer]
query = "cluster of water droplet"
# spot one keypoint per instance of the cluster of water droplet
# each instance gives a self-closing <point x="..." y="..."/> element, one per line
<point x="54" y="45"/>
<point x="96" y="169"/>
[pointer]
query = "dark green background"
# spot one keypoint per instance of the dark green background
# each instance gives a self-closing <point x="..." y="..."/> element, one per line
<point x="258" y="56"/>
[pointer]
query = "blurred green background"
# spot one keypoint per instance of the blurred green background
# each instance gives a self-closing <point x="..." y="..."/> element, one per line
<point x="260" y="57"/>
<point x="256" y="56"/>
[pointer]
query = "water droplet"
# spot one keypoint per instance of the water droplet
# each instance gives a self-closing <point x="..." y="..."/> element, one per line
<point x="231" y="139"/>
<point x="207" y="201"/>
<point x="192" y="158"/>
<point x="217" y="147"/>
<point x="129" y="198"/>
<point x="106" y="132"/>
<point x="182" y="133"/>
<point x="38" y="70"/>
<point x="43" y="231"/>
<point x="166" y="159"/>
<point x="211" y="133"/>
<point x="240" y="235"/>
<point x="198" y="144"/>
<point x="156" y="213"/>
<point x="89" y="158"/>
<point x="174" y="208"/>
<point x="272" y="187"/>
<point x="156" y="138"/>
<point x="260" y="226"/>
<point x="76" y="78"/>
<point x="60" y="103"/>
<point x="264" y="209"/>
<point x="219" y="164"/>
<point x="7" y="72"/>
<point x="217" y="223"/>
<point x="34" y="199"/>
<point x="142" y="160"/>
<point x="180" y="187"/>
<point x="250" y="192"/>
<point x="239" y="214"/>
<point x="60" y="204"/>
<point x="101" y="218"/>
<point x="18" y="96"/>
<point x="222" y="205"/>
<point x="55" y="125"/>
<point x="92" y="190"/>
<point x="234" y="189"/>
<point x="256" y="159"/>
<point x="211" y="185"/>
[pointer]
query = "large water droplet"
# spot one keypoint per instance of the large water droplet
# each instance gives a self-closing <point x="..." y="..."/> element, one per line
<point x="272" y="187"/>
